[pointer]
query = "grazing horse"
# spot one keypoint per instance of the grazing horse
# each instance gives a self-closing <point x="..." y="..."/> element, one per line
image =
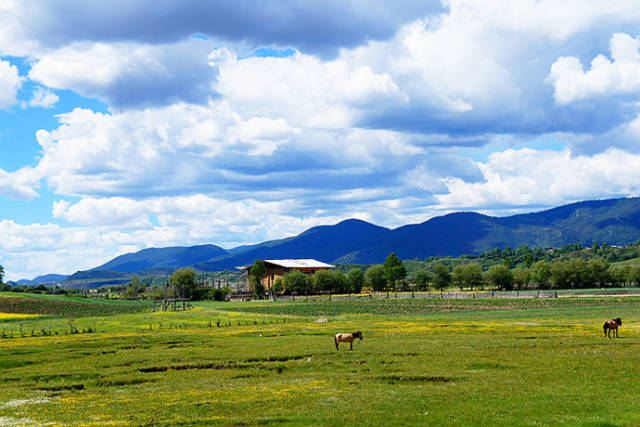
<point x="350" y="338"/>
<point x="612" y="325"/>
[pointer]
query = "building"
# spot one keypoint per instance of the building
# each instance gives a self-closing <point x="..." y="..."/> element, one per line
<point x="279" y="267"/>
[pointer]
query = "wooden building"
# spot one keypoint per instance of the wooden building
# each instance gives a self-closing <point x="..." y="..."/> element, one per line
<point x="279" y="267"/>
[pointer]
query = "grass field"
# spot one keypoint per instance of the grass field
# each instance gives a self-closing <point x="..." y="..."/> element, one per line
<point x="423" y="362"/>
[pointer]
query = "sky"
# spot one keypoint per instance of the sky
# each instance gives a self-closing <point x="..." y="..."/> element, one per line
<point x="153" y="123"/>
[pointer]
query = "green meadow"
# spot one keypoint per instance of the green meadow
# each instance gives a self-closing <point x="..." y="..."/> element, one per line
<point x="498" y="362"/>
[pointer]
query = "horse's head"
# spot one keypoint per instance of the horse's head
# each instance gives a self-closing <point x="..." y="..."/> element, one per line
<point x="618" y="321"/>
<point x="358" y="335"/>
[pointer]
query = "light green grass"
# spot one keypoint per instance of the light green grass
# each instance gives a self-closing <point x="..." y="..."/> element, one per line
<point x="463" y="362"/>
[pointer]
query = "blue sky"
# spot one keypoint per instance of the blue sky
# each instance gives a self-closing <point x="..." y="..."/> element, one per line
<point x="233" y="123"/>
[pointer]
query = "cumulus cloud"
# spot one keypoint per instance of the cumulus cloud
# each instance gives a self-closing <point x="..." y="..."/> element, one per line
<point x="616" y="76"/>
<point x="303" y="89"/>
<point x="185" y="149"/>
<point x="130" y="75"/>
<point x="21" y="184"/>
<point x="10" y="83"/>
<point x="528" y="177"/>
<point x="317" y="27"/>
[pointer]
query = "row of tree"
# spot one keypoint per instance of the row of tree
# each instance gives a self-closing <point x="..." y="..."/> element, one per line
<point x="557" y="274"/>
<point x="392" y="276"/>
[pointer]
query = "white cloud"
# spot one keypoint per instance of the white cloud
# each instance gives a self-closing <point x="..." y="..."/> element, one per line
<point x="620" y="75"/>
<point x="130" y="74"/>
<point x="541" y="177"/>
<point x="21" y="184"/>
<point x="184" y="149"/>
<point x="303" y="89"/>
<point x="43" y="97"/>
<point x="549" y="18"/>
<point x="102" y="228"/>
<point x="10" y="83"/>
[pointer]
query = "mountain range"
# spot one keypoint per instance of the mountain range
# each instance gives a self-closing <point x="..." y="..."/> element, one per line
<point x="614" y="221"/>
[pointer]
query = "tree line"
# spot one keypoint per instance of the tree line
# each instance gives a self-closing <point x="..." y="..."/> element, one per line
<point x="466" y="274"/>
<point x="571" y="273"/>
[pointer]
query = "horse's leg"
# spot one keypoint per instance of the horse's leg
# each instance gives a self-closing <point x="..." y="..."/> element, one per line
<point x="337" y="346"/>
<point x="351" y="345"/>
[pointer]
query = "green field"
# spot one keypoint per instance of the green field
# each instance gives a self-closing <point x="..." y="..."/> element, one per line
<point x="498" y="362"/>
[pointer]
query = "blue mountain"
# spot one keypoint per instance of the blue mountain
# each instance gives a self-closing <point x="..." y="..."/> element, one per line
<point x="615" y="222"/>
<point x="326" y="242"/>
<point x="162" y="258"/>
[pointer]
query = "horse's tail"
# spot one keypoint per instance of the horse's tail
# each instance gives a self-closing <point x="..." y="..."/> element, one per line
<point x="335" y="340"/>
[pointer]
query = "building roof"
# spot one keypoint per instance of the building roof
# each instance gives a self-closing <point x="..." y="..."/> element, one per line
<point x="293" y="263"/>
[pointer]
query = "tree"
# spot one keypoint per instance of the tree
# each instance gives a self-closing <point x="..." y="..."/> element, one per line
<point x="598" y="270"/>
<point x="1" y="275"/>
<point x="278" y="287"/>
<point x="634" y="275"/>
<point x="521" y="277"/>
<point x="394" y="270"/>
<point x="256" y="273"/>
<point x="441" y="276"/>
<point x="501" y="277"/>
<point x="134" y="288"/>
<point x="375" y="278"/>
<point x="355" y="280"/>
<point x="561" y="274"/>
<point x="327" y="281"/>
<point x="457" y="276"/>
<point x="296" y="282"/>
<point x="541" y="274"/>
<point x="469" y="275"/>
<point x="423" y="277"/>
<point x="184" y="282"/>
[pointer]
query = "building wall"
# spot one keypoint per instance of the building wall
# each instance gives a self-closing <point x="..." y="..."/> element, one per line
<point x="273" y="273"/>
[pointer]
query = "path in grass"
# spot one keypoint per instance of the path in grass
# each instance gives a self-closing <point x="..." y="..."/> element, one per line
<point x="485" y="363"/>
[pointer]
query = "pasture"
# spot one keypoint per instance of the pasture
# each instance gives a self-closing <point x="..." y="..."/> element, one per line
<point x="498" y="362"/>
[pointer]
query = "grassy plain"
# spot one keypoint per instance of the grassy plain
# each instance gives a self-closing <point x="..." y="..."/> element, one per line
<point x="499" y="362"/>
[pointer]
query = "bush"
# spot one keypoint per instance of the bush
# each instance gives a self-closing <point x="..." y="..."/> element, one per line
<point x="220" y="294"/>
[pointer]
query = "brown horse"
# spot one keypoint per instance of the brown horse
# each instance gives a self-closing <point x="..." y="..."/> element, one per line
<point x="612" y="325"/>
<point x="350" y="338"/>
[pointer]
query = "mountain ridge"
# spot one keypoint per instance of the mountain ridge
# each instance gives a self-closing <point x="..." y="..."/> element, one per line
<point x="611" y="221"/>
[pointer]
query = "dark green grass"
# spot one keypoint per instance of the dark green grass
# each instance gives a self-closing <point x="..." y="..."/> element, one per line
<point x="64" y="306"/>
<point x="426" y="306"/>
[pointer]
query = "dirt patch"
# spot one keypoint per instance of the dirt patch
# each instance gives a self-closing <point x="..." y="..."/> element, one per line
<point x="277" y="358"/>
<point x="19" y="402"/>
<point x="73" y="387"/>
<point x="59" y="377"/>
<point x="214" y="366"/>
<point x="10" y="421"/>
<point x="122" y="382"/>
<point x="394" y="379"/>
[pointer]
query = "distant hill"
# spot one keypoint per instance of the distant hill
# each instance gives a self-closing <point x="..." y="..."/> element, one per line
<point x="325" y="243"/>
<point x="162" y="258"/>
<point x="50" y="278"/>
<point x="46" y="279"/>
<point x="615" y="222"/>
